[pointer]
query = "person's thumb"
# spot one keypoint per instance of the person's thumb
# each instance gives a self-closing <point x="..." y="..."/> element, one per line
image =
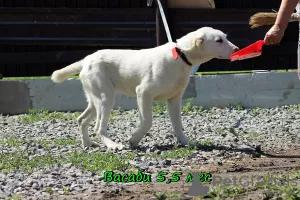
<point x="266" y="39"/>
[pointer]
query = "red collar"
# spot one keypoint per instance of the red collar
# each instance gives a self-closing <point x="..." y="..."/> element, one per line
<point x="177" y="52"/>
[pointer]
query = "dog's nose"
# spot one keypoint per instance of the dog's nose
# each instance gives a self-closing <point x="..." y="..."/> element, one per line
<point x="236" y="49"/>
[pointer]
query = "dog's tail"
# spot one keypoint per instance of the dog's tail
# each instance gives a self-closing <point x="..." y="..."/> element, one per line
<point x="61" y="75"/>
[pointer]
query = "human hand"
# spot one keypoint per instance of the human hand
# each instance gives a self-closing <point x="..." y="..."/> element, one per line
<point x="274" y="35"/>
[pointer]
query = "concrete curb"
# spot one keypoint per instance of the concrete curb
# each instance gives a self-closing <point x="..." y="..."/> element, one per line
<point x="253" y="90"/>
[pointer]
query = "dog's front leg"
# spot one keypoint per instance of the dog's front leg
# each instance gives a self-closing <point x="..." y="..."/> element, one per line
<point x="144" y="102"/>
<point x="174" y="108"/>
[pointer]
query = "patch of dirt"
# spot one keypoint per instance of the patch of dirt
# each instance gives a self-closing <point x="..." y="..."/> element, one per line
<point x="259" y="165"/>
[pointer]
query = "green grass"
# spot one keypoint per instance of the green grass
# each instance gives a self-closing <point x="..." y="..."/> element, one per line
<point x="65" y="142"/>
<point x="222" y="192"/>
<point x="49" y="190"/>
<point x="256" y="110"/>
<point x="98" y="162"/>
<point x="233" y="131"/>
<point x="48" y="77"/>
<point x="11" y="141"/>
<point x="240" y="106"/>
<point x="269" y="192"/>
<point x="205" y="142"/>
<point x="115" y="113"/>
<point x="269" y="189"/>
<point x="36" y="115"/>
<point x="198" y="73"/>
<point x="95" y="162"/>
<point x="31" y="78"/>
<point x="296" y="175"/>
<point x="252" y="134"/>
<point x="219" y="130"/>
<point x="277" y="191"/>
<point x="159" y="107"/>
<point x="281" y="192"/>
<point x="14" y="197"/>
<point x="180" y="152"/>
<point x="232" y="72"/>
<point x="175" y="153"/>
<point x="169" y="195"/>
<point x="289" y="193"/>
<point x="22" y="159"/>
<point x="66" y="190"/>
<point x="189" y="106"/>
<point x="224" y="72"/>
<point x="160" y="196"/>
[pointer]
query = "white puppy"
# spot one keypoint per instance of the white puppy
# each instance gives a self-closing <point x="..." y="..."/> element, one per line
<point x="160" y="73"/>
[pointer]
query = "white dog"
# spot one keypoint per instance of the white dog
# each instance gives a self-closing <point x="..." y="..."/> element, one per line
<point x="160" y="73"/>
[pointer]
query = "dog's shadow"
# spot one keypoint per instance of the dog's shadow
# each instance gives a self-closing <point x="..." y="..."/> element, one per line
<point x="255" y="153"/>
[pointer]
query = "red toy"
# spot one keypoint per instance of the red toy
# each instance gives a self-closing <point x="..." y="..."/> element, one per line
<point x="250" y="51"/>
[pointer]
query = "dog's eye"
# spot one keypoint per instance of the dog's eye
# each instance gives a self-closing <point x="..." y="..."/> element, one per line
<point x="219" y="40"/>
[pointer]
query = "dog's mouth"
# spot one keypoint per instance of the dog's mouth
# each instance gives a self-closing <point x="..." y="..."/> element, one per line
<point x="222" y="57"/>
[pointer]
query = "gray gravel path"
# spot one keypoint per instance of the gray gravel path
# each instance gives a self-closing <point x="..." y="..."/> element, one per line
<point x="223" y="133"/>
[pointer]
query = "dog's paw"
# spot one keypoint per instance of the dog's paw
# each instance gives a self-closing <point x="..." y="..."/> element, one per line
<point x="90" y="143"/>
<point x="132" y="143"/>
<point x="115" y="147"/>
<point x="191" y="143"/>
<point x="111" y="145"/>
<point x="188" y="143"/>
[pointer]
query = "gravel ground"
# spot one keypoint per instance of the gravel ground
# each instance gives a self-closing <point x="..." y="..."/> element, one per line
<point x="226" y="136"/>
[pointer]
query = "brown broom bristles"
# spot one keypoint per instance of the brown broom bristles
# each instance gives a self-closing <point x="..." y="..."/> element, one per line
<point x="262" y="19"/>
<point x="268" y="18"/>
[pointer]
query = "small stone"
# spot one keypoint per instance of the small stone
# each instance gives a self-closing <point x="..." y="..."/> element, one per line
<point x="167" y="162"/>
<point x="93" y="190"/>
<point x="68" y="165"/>
<point x="219" y="161"/>
<point x="29" y="183"/>
<point x="35" y="186"/>
<point x="73" y="174"/>
<point x="50" y="184"/>
<point x="98" y="178"/>
<point x="258" y="147"/>
<point x="55" y="173"/>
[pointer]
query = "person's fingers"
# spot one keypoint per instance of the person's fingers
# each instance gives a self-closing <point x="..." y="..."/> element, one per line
<point x="273" y="36"/>
<point x="276" y="40"/>
<point x="280" y="38"/>
<point x="271" y="40"/>
<point x="268" y="39"/>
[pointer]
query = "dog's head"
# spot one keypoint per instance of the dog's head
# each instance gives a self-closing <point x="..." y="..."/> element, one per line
<point x="207" y="43"/>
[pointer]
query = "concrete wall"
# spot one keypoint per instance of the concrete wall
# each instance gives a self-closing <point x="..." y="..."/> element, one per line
<point x="263" y="90"/>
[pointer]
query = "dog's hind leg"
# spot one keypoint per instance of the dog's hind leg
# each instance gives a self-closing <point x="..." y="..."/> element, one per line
<point x="174" y="109"/>
<point x="97" y="125"/>
<point x="104" y="102"/>
<point x="144" y="102"/>
<point x="83" y="122"/>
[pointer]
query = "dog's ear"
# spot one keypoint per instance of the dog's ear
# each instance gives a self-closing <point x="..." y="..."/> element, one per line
<point x="189" y="42"/>
<point x="198" y="42"/>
